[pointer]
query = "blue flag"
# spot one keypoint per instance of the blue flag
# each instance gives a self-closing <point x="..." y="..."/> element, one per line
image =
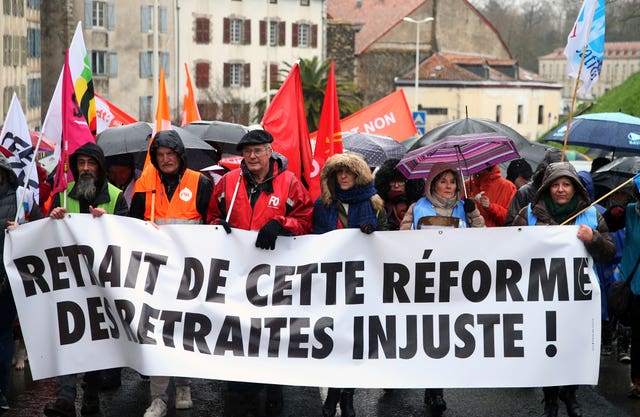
<point x="636" y="179"/>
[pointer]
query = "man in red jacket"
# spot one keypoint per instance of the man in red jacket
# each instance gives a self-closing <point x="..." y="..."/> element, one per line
<point x="493" y="195"/>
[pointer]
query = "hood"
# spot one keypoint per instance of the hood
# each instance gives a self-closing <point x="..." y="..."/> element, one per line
<point x="557" y="170"/>
<point x="11" y="177"/>
<point x="94" y="151"/>
<point x="438" y="169"/>
<point x="168" y="139"/>
<point x="587" y="181"/>
<point x="351" y="162"/>
<point x="550" y="155"/>
<point x="414" y="189"/>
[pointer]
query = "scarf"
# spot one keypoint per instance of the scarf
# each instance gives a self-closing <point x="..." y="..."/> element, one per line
<point x="560" y="213"/>
<point x="360" y="209"/>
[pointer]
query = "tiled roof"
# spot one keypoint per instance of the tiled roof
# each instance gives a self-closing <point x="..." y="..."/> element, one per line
<point x="612" y="50"/>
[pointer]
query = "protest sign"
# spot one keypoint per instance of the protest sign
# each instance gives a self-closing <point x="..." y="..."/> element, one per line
<point x="499" y="307"/>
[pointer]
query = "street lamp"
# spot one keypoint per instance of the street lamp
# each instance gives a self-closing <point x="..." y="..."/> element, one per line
<point x="417" y="22"/>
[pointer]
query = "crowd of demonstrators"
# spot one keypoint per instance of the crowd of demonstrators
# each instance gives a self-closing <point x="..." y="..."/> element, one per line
<point x="441" y="206"/>
<point x="397" y="192"/>
<point x="12" y="197"/>
<point x="170" y="194"/>
<point x="348" y="200"/>
<point x="121" y="172"/>
<point x="560" y="196"/>
<point x="493" y="194"/>
<point x="261" y="195"/>
<point x="89" y="193"/>
<point x="519" y="172"/>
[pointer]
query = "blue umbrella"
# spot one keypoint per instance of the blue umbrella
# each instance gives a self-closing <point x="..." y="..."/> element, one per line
<point x="610" y="131"/>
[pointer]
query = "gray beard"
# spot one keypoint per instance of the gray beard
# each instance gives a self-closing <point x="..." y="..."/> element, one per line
<point x="86" y="188"/>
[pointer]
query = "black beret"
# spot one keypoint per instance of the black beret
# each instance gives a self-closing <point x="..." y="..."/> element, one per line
<point x="254" y="137"/>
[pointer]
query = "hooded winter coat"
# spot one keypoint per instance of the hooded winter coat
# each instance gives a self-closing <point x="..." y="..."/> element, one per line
<point x="601" y="246"/>
<point x="183" y="196"/>
<point x="473" y="219"/>
<point x="352" y="208"/>
<point x="104" y="191"/>
<point x="499" y="190"/>
<point x="413" y="190"/>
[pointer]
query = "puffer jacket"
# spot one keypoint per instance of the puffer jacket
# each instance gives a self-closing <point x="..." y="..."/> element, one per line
<point x="601" y="247"/>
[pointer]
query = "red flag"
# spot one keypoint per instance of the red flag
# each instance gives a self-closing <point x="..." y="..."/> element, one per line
<point x="108" y="115"/>
<point x="75" y="130"/>
<point x="190" y="111"/>
<point x="285" y="120"/>
<point x="329" y="138"/>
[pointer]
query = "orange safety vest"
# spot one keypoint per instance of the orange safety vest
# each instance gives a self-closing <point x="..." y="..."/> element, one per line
<point x="182" y="207"/>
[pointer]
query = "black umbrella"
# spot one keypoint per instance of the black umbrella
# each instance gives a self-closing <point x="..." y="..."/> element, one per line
<point x="533" y="152"/>
<point x="374" y="148"/>
<point x="224" y="136"/>
<point x="611" y="175"/>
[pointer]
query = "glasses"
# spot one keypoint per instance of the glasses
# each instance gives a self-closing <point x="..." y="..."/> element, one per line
<point x="256" y="151"/>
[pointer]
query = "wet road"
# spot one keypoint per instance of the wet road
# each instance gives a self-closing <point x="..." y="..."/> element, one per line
<point x="210" y="398"/>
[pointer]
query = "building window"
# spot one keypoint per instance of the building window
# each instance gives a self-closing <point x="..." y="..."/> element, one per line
<point x="7" y="94"/>
<point x="6" y="42"/>
<point x="99" y="62"/>
<point x="146" y="19"/>
<point x="146" y="63"/>
<point x="540" y="115"/>
<point x="520" y="110"/>
<point x="202" y="74"/>
<point x="203" y="30"/>
<point x="273" y="33"/>
<point x="236" y="75"/>
<point x="304" y="2"/>
<point x="33" y="43"/>
<point x="498" y="113"/>
<point x="34" y="93"/>
<point x="236" y="31"/>
<point x="99" y="14"/>
<point x="437" y="111"/>
<point x="303" y="35"/>
<point x="33" y="4"/>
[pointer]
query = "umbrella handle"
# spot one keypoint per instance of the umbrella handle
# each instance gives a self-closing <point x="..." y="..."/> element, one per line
<point x="233" y="199"/>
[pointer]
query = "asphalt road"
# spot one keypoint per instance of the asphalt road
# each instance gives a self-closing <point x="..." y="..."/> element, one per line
<point x="27" y="399"/>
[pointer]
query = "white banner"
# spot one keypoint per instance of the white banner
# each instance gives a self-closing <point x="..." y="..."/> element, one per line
<point x="499" y="307"/>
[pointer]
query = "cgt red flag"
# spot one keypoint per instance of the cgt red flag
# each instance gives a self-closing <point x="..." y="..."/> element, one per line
<point x="75" y="130"/>
<point x="285" y="120"/>
<point x="329" y="138"/>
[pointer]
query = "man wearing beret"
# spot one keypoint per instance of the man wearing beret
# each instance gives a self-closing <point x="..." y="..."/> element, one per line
<point x="261" y="195"/>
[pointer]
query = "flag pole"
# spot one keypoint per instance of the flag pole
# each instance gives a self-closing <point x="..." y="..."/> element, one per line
<point x="573" y="102"/>
<point x="597" y="201"/>
<point x="28" y="176"/>
<point x="233" y="199"/>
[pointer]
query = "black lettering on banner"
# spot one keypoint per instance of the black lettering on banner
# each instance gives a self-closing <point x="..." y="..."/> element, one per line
<point x="77" y="254"/>
<point x="430" y="334"/>
<point x="322" y="336"/>
<point x="126" y="312"/>
<point x="252" y="285"/>
<point x="155" y="261"/>
<point x="196" y="329"/>
<point x="556" y="275"/>
<point x="331" y="269"/>
<point x="468" y="275"/>
<point x="382" y="336"/>
<point x="169" y="318"/>
<point x="511" y="335"/>
<point x="353" y="282"/>
<point x="113" y="326"/>
<point x="447" y="280"/>
<point x="96" y="319"/>
<point x="296" y="337"/>
<point x="358" y="338"/>
<point x="217" y="280"/>
<point x="31" y="270"/>
<point x="68" y="313"/>
<point x="580" y="279"/>
<point x="275" y="326"/>
<point x="110" y="266"/>
<point x="255" y="334"/>
<point x="145" y="327"/>
<point x="392" y="286"/>
<point x="410" y="350"/>
<point x="230" y="337"/>
<point x="133" y="269"/>
<point x="306" y="280"/>
<point x="508" y="274"/>
<point x="465" y="336"/>
<point x="192" y="279"/>
<point x="281" y="284"/>
<point x="488" y="323"/>
<point x="423" y="282"/>
<point x="57" y="268"/>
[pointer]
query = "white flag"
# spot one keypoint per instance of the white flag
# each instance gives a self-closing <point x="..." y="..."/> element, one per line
<point x="16" y="139"/>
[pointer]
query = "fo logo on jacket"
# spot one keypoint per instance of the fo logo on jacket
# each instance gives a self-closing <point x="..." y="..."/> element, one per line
<point x="274" y="202"/>
<point x="186" y="194"/>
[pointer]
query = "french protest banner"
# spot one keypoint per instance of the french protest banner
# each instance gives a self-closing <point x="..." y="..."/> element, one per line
<point x="498" y="307"/>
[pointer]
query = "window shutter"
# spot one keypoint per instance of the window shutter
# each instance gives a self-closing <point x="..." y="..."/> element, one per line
<point x="247" y="32"/>
<point x="281" y="33"/>
<point x="145" y="19"/>
<point x="23" y="50"/>
<point x="202" y="75"/>
<point x="88" y="14"/>
<point x="263" y="32"/>
<point x="273" y="72"/>
<point x="314" y="36"/>
<point x="226" y="31"/>
<point x="294" y="35"/>
<point x="163" y="19"/>
<point x="246" y="72"/>
<point x="111" y="16"/>
<point x="226" y="77"/>
<point x="145" y="64"/>
<point x="113" y="64"/>
<point x="165" y="63"/>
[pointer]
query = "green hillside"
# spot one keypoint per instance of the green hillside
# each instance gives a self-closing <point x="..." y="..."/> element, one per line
<point x="624" y="98"/>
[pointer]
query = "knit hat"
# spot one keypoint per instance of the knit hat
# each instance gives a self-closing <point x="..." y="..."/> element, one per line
<point x="519" y="168"/>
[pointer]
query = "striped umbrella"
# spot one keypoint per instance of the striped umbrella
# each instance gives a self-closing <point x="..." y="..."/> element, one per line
<point x="471" y="153"/>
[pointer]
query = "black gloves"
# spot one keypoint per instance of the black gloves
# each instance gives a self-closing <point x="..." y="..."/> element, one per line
<point x="367" y="228"/>
<point x="268" y="234"/>
<point x="225" y="225"/>
<point x="469" y="205"/>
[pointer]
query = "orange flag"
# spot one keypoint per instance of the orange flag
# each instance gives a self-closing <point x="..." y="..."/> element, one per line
<point x="329" y="138"/>
<point x="285" y="120"/>
<point x="190" y="111"/>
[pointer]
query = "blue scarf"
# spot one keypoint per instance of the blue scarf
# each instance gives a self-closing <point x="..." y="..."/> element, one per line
<point x="360" y="212"/>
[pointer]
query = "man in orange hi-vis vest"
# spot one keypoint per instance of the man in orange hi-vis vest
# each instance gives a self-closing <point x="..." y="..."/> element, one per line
<point x="172" y="194"/>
